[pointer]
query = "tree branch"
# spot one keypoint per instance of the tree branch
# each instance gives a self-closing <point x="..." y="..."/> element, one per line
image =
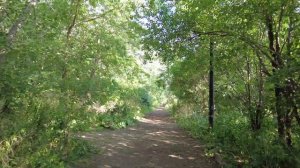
<point x="74" y="20"/>
<point x="246" y="40"/>
<point x="263" y="66"/>
<point x="11" y="35"/>
<point x="213" y="33"/>
<point x="18" y="24"/>
<point x="96" y="17"/>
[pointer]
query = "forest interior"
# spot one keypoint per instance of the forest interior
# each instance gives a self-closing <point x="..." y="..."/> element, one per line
<point x="79" y="75"/>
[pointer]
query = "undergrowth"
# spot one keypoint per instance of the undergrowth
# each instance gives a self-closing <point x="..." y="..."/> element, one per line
<point x="44" y="135"/>
<point x="232" y="139"/>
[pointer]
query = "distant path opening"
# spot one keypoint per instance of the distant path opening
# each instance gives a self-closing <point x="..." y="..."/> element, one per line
<point x="154" y="142"/>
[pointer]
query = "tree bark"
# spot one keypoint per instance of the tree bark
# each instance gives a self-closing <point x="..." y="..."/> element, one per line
<point x="276" y="64"/>
<point x="11" y="35"/>
<point x="296" y="115"/>
<point x="248" y="90"/>
<point x="260" y="104"/>
<point x="284" y="90"/>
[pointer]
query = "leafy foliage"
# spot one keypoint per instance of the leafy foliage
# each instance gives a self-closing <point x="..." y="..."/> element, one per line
<point x="66" y="66"/>
<point x="232" y="140"/>
<point x="256" y="85"/>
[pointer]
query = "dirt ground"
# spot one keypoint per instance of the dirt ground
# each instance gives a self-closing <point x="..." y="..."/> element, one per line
<point x="154" y="142"/>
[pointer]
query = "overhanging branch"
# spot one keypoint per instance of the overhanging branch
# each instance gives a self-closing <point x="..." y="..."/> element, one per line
<point x="97" y="17"/>
<point x="212" y="33"/>
<point x="243" y="38"/>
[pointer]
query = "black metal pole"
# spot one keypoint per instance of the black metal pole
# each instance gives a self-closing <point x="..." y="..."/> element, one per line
<point x="211" y="85"/>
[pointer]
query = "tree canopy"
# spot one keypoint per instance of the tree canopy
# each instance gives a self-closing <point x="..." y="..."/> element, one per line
<point x="232" y="75"/>
<point x="251" y="51"/>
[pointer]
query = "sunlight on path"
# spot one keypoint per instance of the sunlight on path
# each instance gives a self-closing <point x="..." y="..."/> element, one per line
<point x="155" y="142"/>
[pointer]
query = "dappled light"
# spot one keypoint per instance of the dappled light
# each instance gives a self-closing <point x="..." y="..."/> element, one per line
<point x="144" y="120"/>
<point x="155" y="140"/>
<point x="87" y="137"/>
<point x="149" y="83"/>
<point x="177" y="157"/>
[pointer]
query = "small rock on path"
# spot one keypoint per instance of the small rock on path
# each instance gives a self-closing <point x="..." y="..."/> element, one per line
<point x="154" y="142"/>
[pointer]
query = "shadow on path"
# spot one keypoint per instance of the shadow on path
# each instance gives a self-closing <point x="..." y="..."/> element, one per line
<point x="154" y="142"/>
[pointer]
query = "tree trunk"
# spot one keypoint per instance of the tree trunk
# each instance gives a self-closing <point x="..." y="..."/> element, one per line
<point x="296" y="115"/>
<point x="280" y="112"/>
<point x="249" y="100"/>
<point x="255" y="113"/>
<point x="260" y="104"/>
<point x="11" y="35"/>
<point x="290" y="89"/>
<point x="211" y="86"/>
<point x="274" y="49"/>
<point x="5" y="108"/>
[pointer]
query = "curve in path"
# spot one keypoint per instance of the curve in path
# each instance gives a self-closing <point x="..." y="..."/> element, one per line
<point x="154" y="142"/>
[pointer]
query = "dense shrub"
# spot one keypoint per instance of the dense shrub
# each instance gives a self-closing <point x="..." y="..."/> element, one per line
<point x="238" y="145"/>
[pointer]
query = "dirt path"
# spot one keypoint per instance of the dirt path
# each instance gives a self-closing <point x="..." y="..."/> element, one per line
<point x="155" y="142"/>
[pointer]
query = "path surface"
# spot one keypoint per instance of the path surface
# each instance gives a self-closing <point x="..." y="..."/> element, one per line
<point x="155" y="142"/>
